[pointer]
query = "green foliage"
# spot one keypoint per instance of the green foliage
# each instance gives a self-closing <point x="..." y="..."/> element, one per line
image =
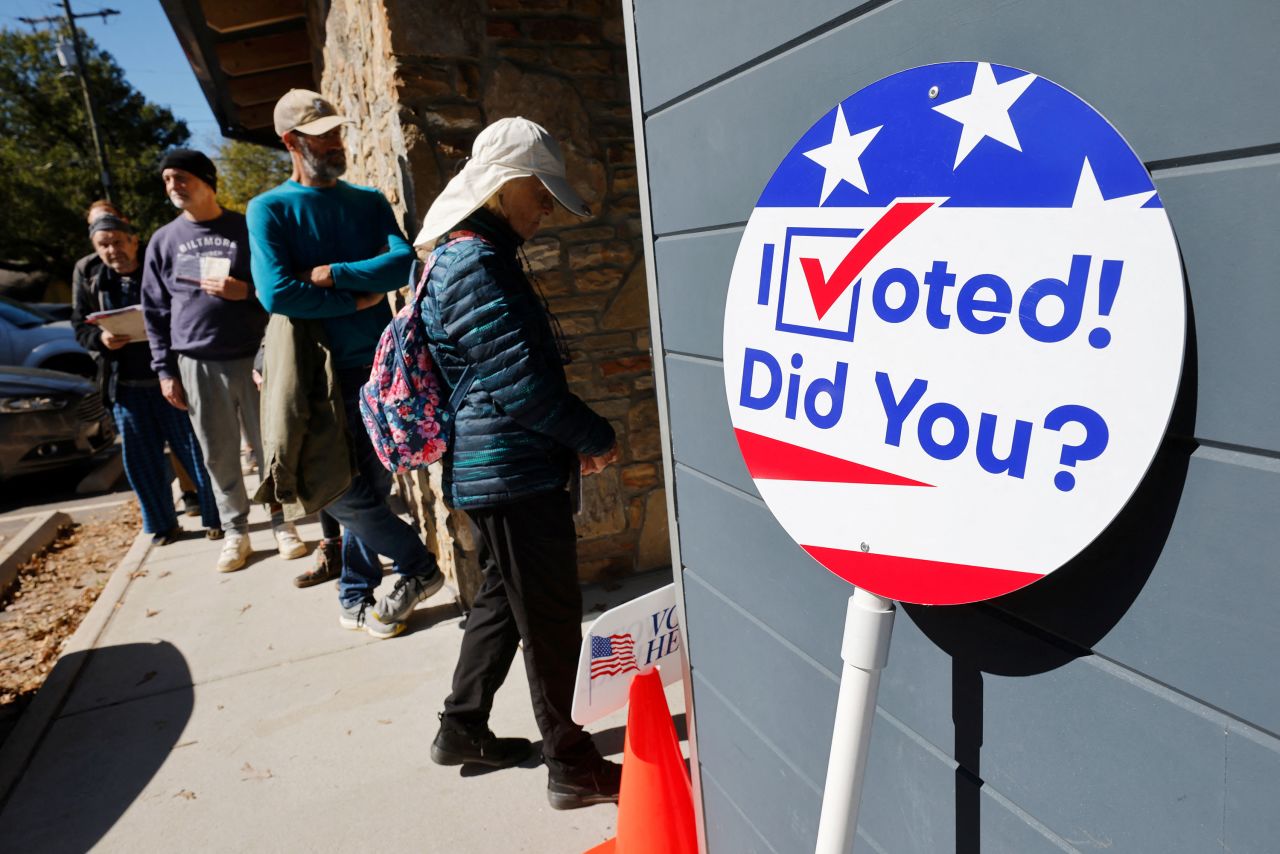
<point x="246" y="169"/>
<point x="48" y="165"/>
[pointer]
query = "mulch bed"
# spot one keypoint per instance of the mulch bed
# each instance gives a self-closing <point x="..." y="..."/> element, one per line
<point x="54" y="590"/>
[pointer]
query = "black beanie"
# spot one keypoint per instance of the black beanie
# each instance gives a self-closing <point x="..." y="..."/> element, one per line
<point x="191" y="161"/>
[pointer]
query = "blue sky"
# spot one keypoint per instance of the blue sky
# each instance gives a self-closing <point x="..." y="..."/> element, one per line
<point x="144" y="45"/>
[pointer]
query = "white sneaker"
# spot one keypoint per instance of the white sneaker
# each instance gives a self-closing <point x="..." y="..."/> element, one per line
<point x="288" y="542"/>
<point x="235" y="551"/>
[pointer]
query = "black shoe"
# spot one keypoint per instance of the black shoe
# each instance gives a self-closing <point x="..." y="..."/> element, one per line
<point x="214" y="533"/>
<point x="594" y="782"/>
<point x="327" y="566"/>
<point x="479" y="746"/>
<point x="190" y="504"/>
<point x="165" y="537"/>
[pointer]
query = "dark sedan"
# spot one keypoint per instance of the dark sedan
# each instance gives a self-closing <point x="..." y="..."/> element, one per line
<point x="49" y="419"/>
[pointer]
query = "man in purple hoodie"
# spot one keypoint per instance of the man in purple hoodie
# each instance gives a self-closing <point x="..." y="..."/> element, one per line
<point x="205" y="323"/>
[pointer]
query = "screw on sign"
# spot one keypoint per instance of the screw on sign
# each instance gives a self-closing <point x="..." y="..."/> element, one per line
<point x="953" y="333"/>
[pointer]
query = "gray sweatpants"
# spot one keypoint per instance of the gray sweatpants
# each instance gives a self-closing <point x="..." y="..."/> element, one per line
<point x="222" y="398"/>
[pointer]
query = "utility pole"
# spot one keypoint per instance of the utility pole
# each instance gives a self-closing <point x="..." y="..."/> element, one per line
<point x="70" y="18"/>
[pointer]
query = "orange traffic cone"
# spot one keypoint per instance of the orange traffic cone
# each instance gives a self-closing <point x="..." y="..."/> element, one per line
<point x="655" y="807"/>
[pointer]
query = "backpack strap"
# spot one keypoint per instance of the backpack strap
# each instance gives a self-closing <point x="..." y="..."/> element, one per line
<point x="459" y="392"/>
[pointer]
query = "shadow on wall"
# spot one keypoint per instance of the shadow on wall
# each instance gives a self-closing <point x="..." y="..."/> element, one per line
<point x="1060" y="619"/>
<point x="92" y="765"/>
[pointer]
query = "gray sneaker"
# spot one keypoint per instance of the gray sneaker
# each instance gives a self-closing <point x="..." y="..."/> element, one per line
<point x="409" y="591"/>
<point x="360" y="616"/>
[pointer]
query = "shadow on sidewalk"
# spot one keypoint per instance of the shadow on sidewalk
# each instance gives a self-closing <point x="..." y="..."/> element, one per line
<point x="92" y="765"/>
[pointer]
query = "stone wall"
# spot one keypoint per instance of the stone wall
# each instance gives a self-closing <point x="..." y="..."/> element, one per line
<point x="423" y="77"/>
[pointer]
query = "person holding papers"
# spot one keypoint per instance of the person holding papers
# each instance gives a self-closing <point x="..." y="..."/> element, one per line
<point x="144" y="419"/>
<point x="205" y="324"/>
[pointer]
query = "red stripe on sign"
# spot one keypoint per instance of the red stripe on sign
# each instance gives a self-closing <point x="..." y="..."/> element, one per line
<point x="770" y="459"/>
<point x="924" y="582"/>
<point x="824" y="291"/>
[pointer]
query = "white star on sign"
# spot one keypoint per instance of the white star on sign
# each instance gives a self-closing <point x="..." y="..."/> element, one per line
<point x="840" y="156"/>
<point x="1089" y="194"/>
<point x="984" y="112"/>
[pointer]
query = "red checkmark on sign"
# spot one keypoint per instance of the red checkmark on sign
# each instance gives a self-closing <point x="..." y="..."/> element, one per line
<point x="826" y="291"/>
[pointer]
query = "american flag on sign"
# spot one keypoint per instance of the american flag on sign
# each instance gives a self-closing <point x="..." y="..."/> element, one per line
<point x="612" y="655"/>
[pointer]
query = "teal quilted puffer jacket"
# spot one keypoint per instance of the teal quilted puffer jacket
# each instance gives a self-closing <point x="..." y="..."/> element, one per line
<point x="519" y="429"/>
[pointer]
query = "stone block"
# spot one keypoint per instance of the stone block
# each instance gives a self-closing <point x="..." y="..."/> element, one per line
<point x="600" y="345"/>
<point x="502" y="28"/>
<point x="641" y="476"/>
<point x="577" y="324"/>
<point x="523" y="55"/>
<point x="439" y="28"/>
<point x="582" y="235"/>
<point x="453" y="118"/>
<point x="593" y="303"/>
<point x="601" y="513"/>
<point x="528" y="5"/>
<point x="616" y="253"/>
<point x="565" y="30"/>
<point x="543" y="254"/>
<point x="621" y="153"/>
<point x="630" y="306"/>
<point x="626" y="365"/>
<point x="579" y="372"/>
<point x="580" y="60"/>
<point x="642" y="429"/>
<point x="624" y="181"/>
<point x="612" y="409"/>
<point x="599" y="90"/>
<point x="655" y="536"/>
<point x="598" y="280"/>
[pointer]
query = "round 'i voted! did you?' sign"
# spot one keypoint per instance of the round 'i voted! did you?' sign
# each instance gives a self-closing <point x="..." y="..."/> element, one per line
<point x="954" y="332"/>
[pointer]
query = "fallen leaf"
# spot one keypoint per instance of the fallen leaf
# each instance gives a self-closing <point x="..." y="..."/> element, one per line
<point x="384" y="720"/>
<point x="138" y="573"/>
<point x="246" y="607"/>
<point x="164" y="574"/>
<point x="255" y="774"/>
<point x="191" y="796"/>
<point x="151" y="613"/>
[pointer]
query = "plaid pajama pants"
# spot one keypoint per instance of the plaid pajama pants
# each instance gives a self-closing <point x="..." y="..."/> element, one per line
<point x="146" y="421"/>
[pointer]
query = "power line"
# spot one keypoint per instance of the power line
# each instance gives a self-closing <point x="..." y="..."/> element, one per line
<point x="69" y="19"/>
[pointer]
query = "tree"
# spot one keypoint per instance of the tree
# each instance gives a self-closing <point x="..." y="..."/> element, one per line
<point x="246" y="169"/>
<point x="48" y="167"/>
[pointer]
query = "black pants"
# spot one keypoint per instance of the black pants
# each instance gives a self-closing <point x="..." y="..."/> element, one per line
<point x="528" y="552"/>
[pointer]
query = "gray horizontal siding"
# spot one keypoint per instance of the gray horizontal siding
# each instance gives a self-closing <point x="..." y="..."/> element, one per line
<point x="1175" y="84"/>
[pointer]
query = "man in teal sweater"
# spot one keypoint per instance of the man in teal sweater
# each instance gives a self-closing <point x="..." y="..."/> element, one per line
<point x="325" y="249"/>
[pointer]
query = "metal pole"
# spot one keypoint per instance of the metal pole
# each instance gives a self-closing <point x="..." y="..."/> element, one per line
<point x="868" y="626"/>
<point x="88" y="101"/>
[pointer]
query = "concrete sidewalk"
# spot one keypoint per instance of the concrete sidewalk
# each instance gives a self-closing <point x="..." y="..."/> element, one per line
<point x="229" y="712"/>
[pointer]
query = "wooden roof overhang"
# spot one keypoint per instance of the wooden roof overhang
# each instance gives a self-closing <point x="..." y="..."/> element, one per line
<point x="246" y="54"/>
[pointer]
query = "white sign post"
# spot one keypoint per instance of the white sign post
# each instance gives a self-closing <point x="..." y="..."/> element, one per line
<point x="632" y="638"/>
<point x="953" y="338"/>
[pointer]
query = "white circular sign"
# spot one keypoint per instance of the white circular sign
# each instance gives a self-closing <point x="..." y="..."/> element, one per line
<point x="954" y="332"/>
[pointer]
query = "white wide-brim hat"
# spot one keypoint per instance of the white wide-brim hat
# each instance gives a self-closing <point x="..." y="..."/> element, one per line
<point x="508" y="148"/>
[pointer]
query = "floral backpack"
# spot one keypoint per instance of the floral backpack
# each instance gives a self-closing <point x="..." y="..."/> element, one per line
<point x="401" y="404"/>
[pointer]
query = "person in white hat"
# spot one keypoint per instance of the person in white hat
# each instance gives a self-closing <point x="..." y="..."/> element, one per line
<point x="521" y="438"/>
<point x="326" y="250"/>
